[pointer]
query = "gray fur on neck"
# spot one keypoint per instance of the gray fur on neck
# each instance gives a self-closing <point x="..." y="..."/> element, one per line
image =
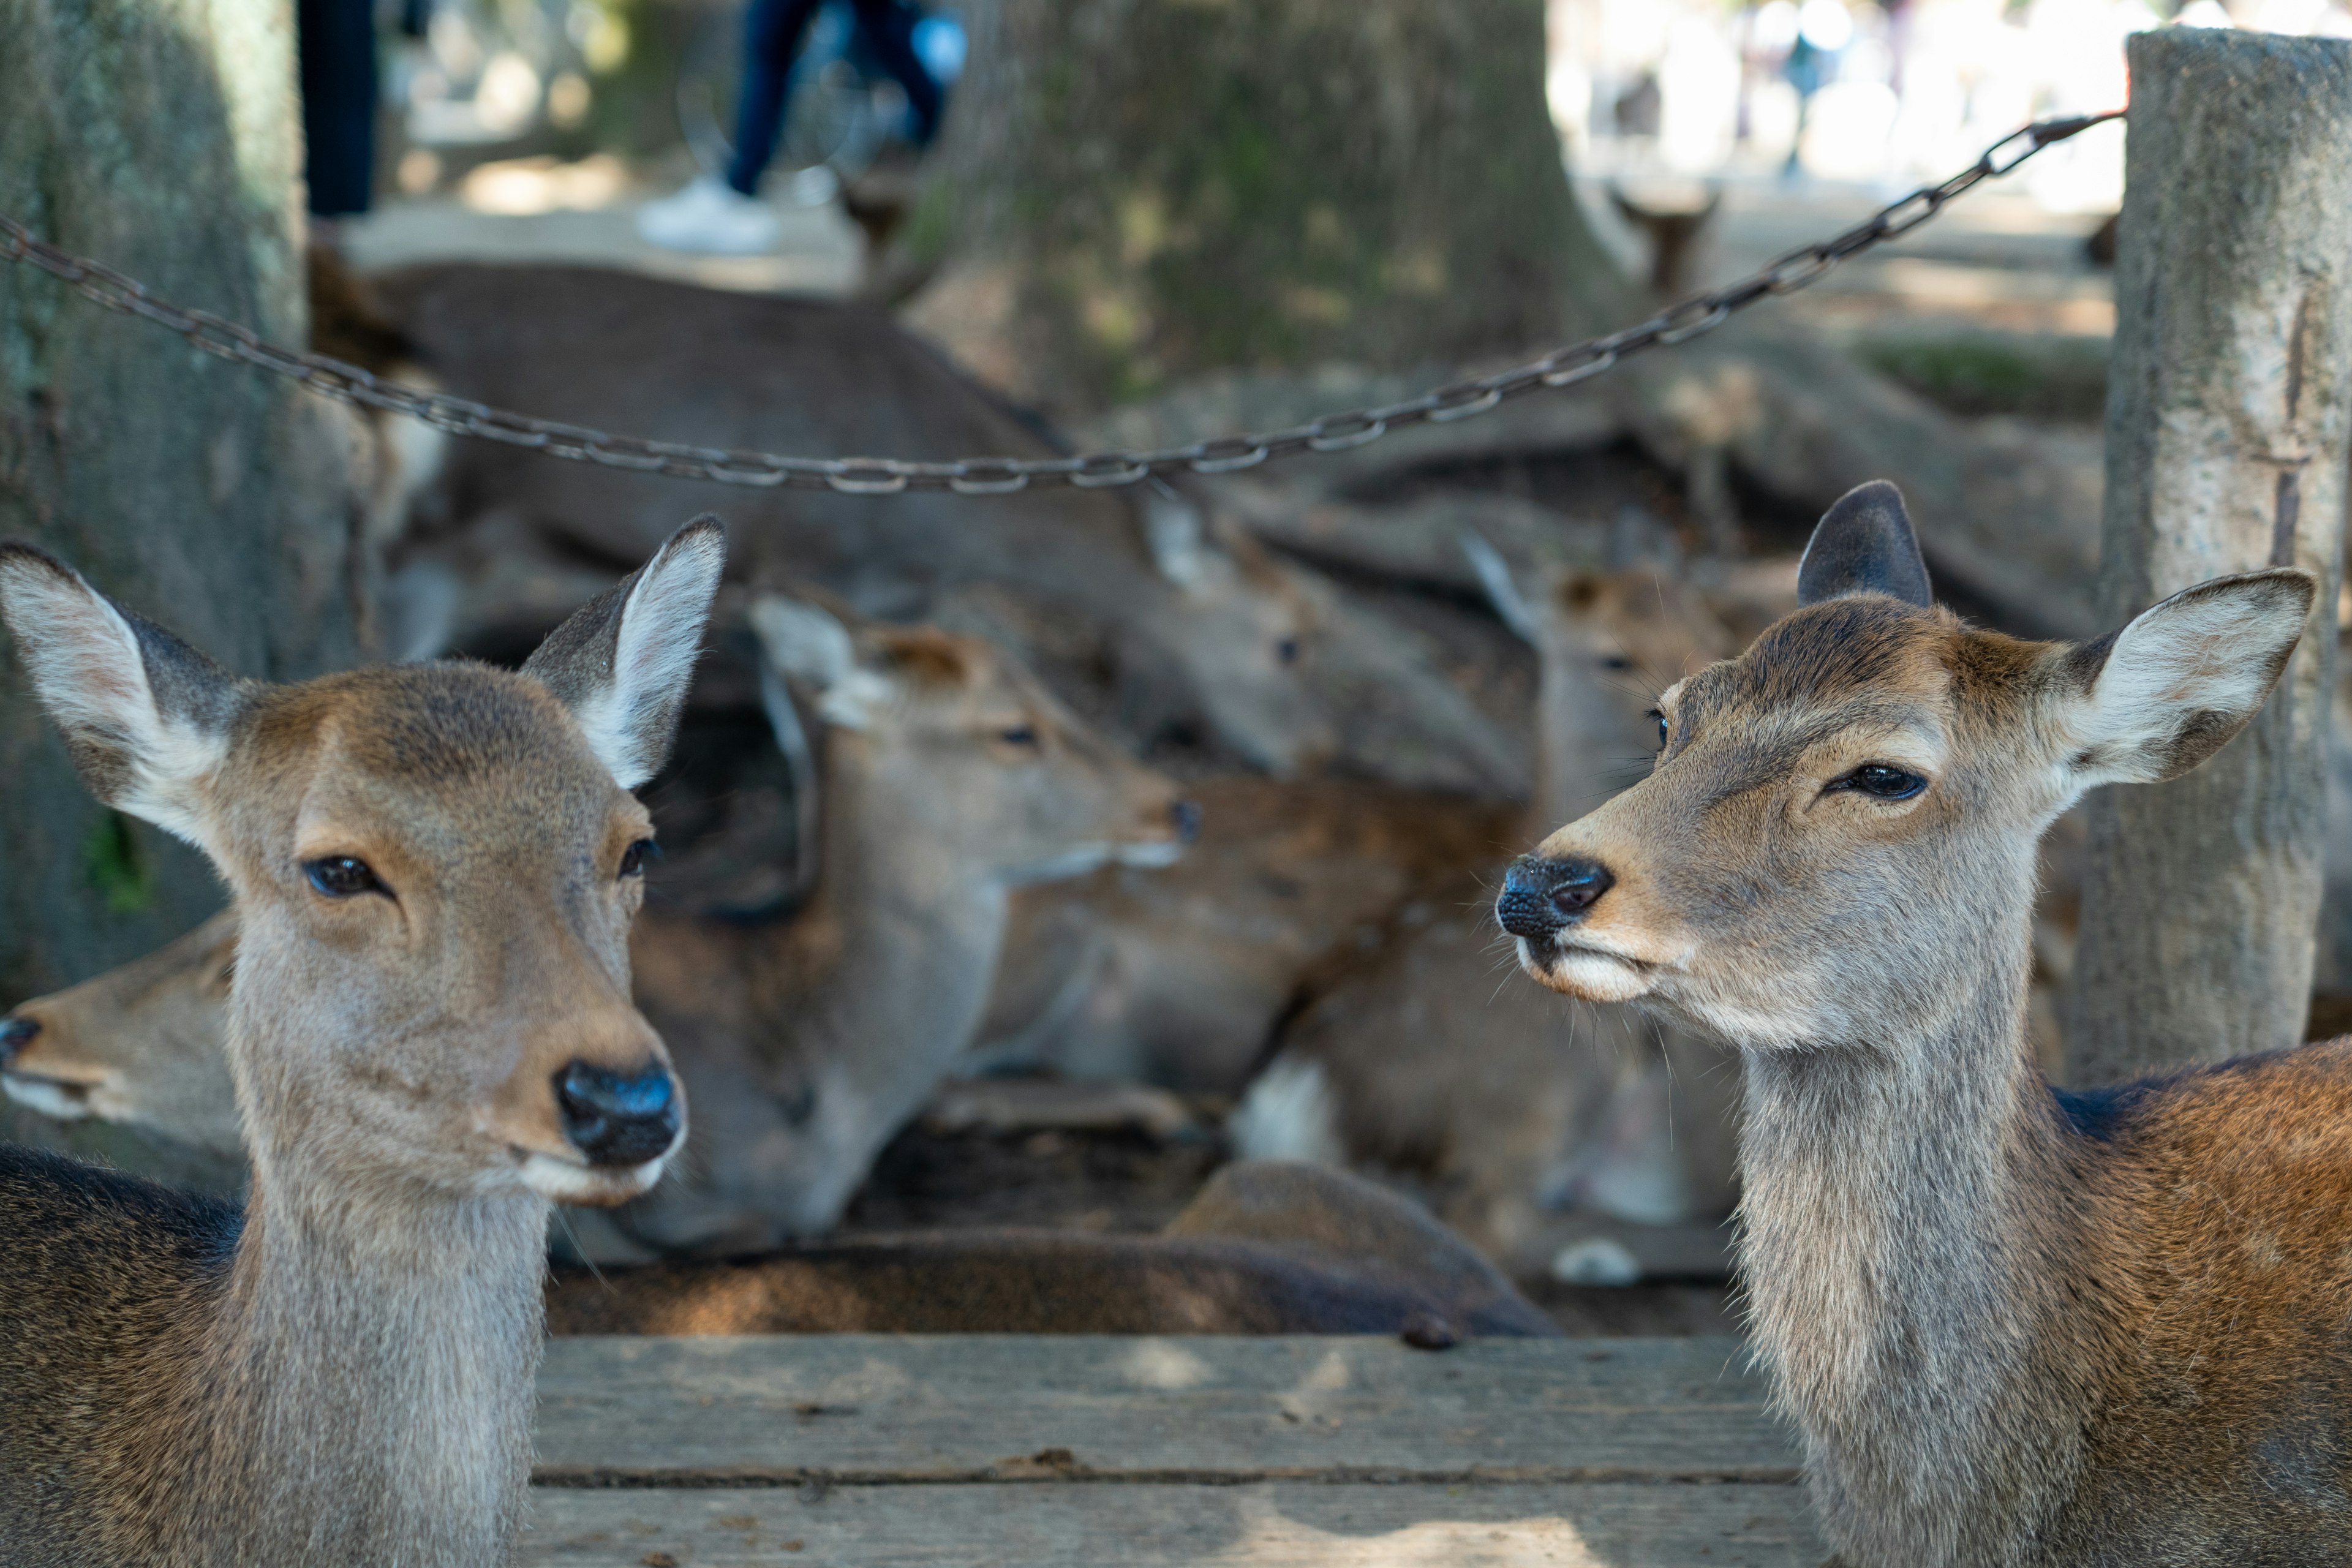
<point x="1908" y="1257"/>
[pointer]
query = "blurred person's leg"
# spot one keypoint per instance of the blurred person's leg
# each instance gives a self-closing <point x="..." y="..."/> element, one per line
<point x="336" y="42"/>
<point x="889" y="30"/>
<point x="771" y="40"/>
<point x="724" y="217"/>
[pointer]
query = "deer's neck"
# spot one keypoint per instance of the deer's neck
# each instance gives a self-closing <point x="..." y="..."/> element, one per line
<point x="903" y="931"/>
<point x="1918" y="1265"/>
<point x="364" y="1393"/>
<point x="882" y="981"/>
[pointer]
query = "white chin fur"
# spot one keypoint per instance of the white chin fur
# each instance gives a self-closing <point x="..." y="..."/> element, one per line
<point x="1580" y="972"/>
<point x="54" y="1100"/>
<point x="560" y="1181"/>
<point x="1166" y="852"/>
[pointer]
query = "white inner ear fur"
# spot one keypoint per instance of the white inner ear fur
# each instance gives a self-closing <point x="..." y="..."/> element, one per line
<point x="85" y="662"/>
<point x="811" y="650"/>
<point x="653" y="656"/>
<point x="2200" y="651"/>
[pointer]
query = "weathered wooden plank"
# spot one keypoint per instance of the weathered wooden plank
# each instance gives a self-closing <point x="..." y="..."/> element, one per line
<point x="894" y="1408"/>
<point x="1263" y="1525"/>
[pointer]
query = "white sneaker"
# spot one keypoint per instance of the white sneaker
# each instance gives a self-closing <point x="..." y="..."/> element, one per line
<point x="711" y="217"/>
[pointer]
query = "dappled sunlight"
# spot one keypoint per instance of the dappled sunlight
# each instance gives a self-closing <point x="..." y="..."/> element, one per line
<point x="525" y="187"/>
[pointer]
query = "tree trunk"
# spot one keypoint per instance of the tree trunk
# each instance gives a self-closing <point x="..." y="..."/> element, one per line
<point x="2228" y="422"/>
<point x="159" y="136"/>
<point x="1134" y="191"/>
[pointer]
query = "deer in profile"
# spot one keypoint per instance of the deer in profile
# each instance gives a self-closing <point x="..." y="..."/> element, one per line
<point x="139" y="1045"/>
<point x="430" y="1037"/>
<point x="947" y="776"/>
<point x="2014" y="1326"/>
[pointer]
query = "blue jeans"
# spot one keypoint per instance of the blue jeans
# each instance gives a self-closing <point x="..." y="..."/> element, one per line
<point x="335" y="50"/>
<point x="772" y="37"/>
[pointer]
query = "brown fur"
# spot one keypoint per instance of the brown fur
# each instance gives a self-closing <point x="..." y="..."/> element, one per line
<point x="1265" y="1248"/>
<point x="809" y="1043"/>
<point x="2013" y="1328"/>
<point x="1409" y="1056"/>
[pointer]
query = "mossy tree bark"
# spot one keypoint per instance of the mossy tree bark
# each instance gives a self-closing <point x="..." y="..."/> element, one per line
<point x="2229" y="428"/>
<point x="162" y="137"/>
<point x="1130" y="192"/>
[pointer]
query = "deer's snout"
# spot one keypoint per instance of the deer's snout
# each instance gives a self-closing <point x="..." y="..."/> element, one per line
<point x="615" y="1118"/>
<point x="15" y="1033"/>
<point x="1541" y="897"/>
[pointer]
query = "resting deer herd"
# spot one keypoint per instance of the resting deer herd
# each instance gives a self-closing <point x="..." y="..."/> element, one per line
<point x="2010" y="1325"/>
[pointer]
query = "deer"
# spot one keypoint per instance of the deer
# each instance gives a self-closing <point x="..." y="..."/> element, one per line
<point x="943" y="778"/>
<point x="1204" y="636"/>
<point x="139" y="1046"/>
<point x="1401" y="1055"/>
<point x="1178" y="976"/>
<point x="1264" y="1247"/>
<point x="2013" y="1325"/>
<point x="431" y="1036"/>
<point x="948" y="776"/>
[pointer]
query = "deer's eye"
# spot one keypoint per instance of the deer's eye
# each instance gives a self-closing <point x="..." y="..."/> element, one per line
<point x="344" y="877"/>
<point x="1882" y="781"/>
<point x="1019" y="735"/>
<point x="633" y="859"/>
<point x="1286" y="651"/>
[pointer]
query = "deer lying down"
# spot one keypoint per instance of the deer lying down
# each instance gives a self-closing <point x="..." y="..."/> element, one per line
<point x="1204" y="631"/>
<point x="140" y="1045"/>
<point x="1265" y="1248"/>
<point x="1406" y="1056"/>
<point x="950" y="776"/>
<point x="432" y="1039"/>
<point x="2014" y="1326"/>
<point x="1178" y="976"/>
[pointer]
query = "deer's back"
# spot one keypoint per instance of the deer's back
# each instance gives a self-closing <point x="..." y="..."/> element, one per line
<point x="713" y="367"/>
<point x="2227" y="1427"/>
<point x="106" y="1275"/>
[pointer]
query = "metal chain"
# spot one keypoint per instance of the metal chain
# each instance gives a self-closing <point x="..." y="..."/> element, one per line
<point x="999" y="475"/>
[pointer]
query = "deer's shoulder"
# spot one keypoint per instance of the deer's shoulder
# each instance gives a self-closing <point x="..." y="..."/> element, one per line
<point x="85" y="1239"/>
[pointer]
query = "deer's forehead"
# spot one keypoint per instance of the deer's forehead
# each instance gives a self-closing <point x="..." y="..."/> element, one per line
<point x="1867" y="651"/>
<point x="440" y="752"/>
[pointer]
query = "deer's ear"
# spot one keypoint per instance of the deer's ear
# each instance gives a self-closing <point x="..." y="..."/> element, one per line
<point x="623" y="662"/>
<point x="1176" y="534"/>
<point x="1865" y="544"/>
<point x="145" y="717"/>
<point x="2168" y="690"/>
<point x="1510" y="602"/>
<point x="808" y="649"/>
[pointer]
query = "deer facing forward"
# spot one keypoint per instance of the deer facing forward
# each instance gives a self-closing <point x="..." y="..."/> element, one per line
<point x="430" y="1032"/>
<point x="2014" y="1326"/>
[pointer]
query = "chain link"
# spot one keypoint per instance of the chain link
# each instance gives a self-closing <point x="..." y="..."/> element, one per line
<point x="1000" y="476"/>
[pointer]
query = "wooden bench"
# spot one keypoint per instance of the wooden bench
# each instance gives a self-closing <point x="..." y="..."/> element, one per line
<point x="862" y="1451"/>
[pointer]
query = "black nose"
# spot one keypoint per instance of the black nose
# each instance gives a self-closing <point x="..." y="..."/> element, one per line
<point x="1187" y="818"/>
<point x="617" y="1118"/>
<point x="1540" y="896"/>
<point x="15" y="1033"/>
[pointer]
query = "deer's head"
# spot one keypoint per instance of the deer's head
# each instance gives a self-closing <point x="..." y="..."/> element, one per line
<point x="1607" y="641"/>
<point x="140" y="1044"/>
<point x="1246" y="634"/>
<point x="1837" y="836"/>
<point x="954" y="744"/>
<point x="434" y="870"/>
